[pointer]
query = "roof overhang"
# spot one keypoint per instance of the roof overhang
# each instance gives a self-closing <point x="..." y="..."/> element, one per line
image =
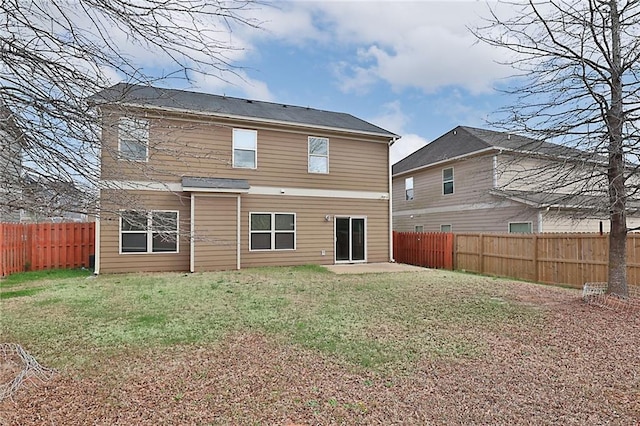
<point x="215" y="185"/>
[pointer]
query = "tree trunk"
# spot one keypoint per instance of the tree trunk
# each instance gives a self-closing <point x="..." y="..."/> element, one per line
<point x="617" y="283"/>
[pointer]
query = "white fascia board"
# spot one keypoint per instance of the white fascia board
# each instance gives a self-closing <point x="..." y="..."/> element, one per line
<point x="254" y="190"/>
<point x="323" y="193"/>
<point x="140" y="185"/>
<point x="387" y="136"/>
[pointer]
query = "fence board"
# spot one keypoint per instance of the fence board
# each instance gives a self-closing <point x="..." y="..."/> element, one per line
<point x="427" y="249"/>
<point x="39" y="246"/>
<point x="571" y="259"/>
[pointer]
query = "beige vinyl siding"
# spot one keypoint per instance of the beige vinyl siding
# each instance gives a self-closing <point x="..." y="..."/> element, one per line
<point x="541" y="174"/>
<point x="215" y="232"/>
<point x="110" y="259"/>
<point x="203" y="147"/>
<point x="563" y="222"/>
<point x="313" y="232"/>
<point x="491" y="219"/>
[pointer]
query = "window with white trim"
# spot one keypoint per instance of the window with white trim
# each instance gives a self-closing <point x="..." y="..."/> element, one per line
<point x="318" y="155"/>
<point x="419" y="228"/>
<point x="408" y="189"/>
<point x="133" y="139"/>
<point x="245" y="149"/>
<point x="149" y="232"/>
<point x="272" y="231"/>
<point x="520" y="227"/>
<point x="447" y="181"/>
<point x="445" y="228"/>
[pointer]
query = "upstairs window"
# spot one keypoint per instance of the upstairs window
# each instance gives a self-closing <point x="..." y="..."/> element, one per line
<point x="272" y="231"/>
<point x="133" y="139"/>
<point x="245" y="148"/>
<point x="149" y="232"/>
<point x="447" y="181"/>
<point x="408" y="189"/>
<point x="318" y="155"/>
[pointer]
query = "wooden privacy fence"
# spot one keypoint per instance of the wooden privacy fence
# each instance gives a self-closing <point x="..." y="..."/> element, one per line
<point x="38" y="246"/>
<point x="428" y="249"/>
<point x="571" y="259"/>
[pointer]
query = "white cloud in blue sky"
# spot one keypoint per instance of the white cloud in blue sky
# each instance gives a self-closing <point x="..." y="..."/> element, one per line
<point x="410" y="67"/>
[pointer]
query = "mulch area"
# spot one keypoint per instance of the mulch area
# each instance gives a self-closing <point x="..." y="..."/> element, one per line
<point x="579" y="366"/>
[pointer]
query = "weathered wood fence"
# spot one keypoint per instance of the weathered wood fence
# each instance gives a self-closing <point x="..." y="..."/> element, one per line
<point x="428" y="249"/>
<point x="571" y="259"/>
<point x="38" y="246"/>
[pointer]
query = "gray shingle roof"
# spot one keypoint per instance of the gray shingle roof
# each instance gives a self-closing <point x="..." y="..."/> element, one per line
<point x="465" y="140"/>
<point x="147" y="96"/>
<point x="215" y="183"/>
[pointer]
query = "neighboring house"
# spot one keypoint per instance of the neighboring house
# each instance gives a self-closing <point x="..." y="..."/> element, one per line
<point x="475" y="180"/>
<point x="10" y="167"/>
<point x="198" y="182"/>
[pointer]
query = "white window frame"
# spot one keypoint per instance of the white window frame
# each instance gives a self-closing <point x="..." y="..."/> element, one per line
<point x="149" y="231"/>
<point x="310" y="155"/>
<point x="235" y="139"/>
<point x="452" y="182"/>
<point x="408" y="186"/>
<point x="127" y="130"/>
<point x="274" y="231"/>
<point x="530" y="224"/>
<point x="444" y="226"/>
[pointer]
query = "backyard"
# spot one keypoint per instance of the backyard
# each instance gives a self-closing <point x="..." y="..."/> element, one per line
<point x="304" y="346"/>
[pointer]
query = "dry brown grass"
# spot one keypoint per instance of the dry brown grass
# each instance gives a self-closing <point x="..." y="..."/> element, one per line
<point x="575" y="364"/>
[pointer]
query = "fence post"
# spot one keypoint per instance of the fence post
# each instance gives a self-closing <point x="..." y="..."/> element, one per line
<point x="535" y="257"/>
<point x="481" y="253"/>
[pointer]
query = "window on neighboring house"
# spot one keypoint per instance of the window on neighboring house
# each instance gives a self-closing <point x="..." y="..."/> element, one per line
<point x="419" y="228"/>
<point x="272" y="231"/>
<point x="447" y="181"/>
<point x="408" y="189"/>
<point x="445" y="228"/>
<point x="520" y="227"/>
<point x="318" y="155"/>
<point x="149" y="232"/>
<point x="133" y="139"/>
<point x="245" y="148"/>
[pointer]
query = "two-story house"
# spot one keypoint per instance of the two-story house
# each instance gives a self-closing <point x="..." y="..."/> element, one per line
<point x="476" y="180"/>
<point x="198" y="182"/>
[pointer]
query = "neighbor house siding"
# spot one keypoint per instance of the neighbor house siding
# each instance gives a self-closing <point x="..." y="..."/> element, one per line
<point x="562" y="222"/>
<point x="192" y="147"/>
<point x="491" y="219"/>
<point x="109" y="237"/>
<point x="473" y="178"/>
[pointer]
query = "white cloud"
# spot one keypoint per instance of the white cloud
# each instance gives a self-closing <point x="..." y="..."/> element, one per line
<point x="233" y="84"/>
<point x="406" y="44"/>
<point x="394" y="120"/>
<point x="408" y="144"/>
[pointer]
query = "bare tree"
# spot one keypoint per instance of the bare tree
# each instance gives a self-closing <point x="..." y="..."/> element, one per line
<point x="577" y="64"/>
<point x="55" y="54"/>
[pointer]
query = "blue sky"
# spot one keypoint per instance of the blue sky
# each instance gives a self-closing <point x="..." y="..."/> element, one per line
<point x="410" y="67"/>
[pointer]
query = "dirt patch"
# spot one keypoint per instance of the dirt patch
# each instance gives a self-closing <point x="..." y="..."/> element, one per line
<point x="578" y="366"/>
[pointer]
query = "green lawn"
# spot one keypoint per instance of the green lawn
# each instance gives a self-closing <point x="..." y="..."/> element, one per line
<point x="71" y="320"/>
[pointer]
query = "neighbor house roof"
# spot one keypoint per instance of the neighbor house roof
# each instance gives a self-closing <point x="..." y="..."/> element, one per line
<point x="464" y="140"/>
<point x="559" y="200"/>
<point x="225" y="106"/>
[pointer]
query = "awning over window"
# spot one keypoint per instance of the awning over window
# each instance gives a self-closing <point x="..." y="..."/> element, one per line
<point x="205" y="184"/>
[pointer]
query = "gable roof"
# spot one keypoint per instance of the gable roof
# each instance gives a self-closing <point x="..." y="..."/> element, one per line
<point x="464" y="140"/>
<point x="225" y="106"/>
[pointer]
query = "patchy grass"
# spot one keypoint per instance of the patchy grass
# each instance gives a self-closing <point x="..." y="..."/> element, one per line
<point x="376" y="321"/>
<point x="50" y="274"/>
<point x="287" y="346"/>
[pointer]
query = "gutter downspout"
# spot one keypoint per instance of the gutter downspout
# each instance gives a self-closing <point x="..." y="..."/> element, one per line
<point x="96" y="245"/>
<point x="391" y="142"/>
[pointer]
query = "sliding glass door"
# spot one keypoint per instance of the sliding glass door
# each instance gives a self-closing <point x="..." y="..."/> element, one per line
<point x="350" y="237"/>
